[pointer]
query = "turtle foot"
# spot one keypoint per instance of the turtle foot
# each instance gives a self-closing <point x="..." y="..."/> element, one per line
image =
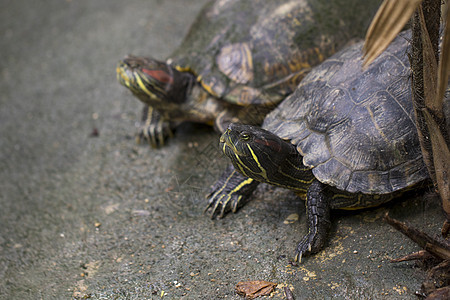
<point x="229" y="193"/>
<point x="154" y="128"/>
<point x="319" y="224"/>
<point x="308" y="245"/>
<point x="221" y="202"/>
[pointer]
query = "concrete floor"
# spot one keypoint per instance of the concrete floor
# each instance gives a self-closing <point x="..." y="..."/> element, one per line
<point x="102" y="217"/>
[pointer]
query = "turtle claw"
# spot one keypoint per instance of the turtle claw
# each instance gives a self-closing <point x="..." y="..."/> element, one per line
<point x="306" y="247"/>
<point x="155" y="134"/>
<point x="298" y="257"/>
<point x="221" y="203"/>
<point x="229" y="193"/>
<point x="154" y="129"/>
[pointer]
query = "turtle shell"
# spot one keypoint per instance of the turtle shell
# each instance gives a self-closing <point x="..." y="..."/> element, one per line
<point x="257" y="51"/>
<point x="355" y="127"/>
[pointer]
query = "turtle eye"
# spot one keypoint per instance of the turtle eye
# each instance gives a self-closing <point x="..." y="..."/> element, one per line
<point x="244" y="136"/>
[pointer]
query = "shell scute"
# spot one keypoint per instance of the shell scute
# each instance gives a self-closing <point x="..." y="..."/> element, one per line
<point x="371" y="182"/>
<point x="332" y="166"/>
<point x="236" y="62"/>
<point x="266" y="45"/>
<point x="407" y="174"/>
<point x="357" y="128"/>
<point x="315" y="153"/>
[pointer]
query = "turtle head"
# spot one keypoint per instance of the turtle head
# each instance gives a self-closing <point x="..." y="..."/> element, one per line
<point x="255" y="152"/>
<point x="154" y="82"/>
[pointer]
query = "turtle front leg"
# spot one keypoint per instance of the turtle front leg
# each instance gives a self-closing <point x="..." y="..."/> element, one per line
<point x="229" y="192"/>
<point x="154" y="128"/>
<point x="318" y="211"/>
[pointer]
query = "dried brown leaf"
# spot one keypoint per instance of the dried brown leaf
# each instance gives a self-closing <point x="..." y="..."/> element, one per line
<point x="439" y="294"/>
<point x="429" y="68"/>
<point x="437" y="280"/>
<point x="437" y="248"/>
<point x="444" y="62"/>
<point x="434" y="97"/>
<point x="441" y="160"/>
<point x="255" y="288"/>
<point x="387" y="23"/>
<point x="288" y="293"/>
<point x="422" y="254"/>
<point x="446" y="226"/>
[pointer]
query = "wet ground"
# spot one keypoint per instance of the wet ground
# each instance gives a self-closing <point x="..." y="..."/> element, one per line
<point x="85" y="212"/>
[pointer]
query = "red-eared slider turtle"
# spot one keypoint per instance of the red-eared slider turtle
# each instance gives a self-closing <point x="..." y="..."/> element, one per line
<point x="239" y="59"/>
<point x="346" y="137"/>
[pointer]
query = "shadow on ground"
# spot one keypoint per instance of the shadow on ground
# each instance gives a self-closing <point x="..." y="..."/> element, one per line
<point x="101" y="217"/>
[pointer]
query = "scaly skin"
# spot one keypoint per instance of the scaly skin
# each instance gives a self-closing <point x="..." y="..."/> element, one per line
<point x="264" y="157"/>
<point x="239" y="60"/>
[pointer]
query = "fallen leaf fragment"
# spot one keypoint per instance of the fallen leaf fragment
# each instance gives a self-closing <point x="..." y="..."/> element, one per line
<point x="437" y="282"/>
<point x="439" y="249"/>
<point x="422" y="254"/>
<point x="288" y="293"/>
<point x="256" y="288"/>
<point x="292" y="218"/>
<point x="442" y="293"/>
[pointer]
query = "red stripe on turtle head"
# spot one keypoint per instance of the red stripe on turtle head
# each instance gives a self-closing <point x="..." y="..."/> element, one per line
<point x="269" y="143"/>
<point x="159" y="75"/>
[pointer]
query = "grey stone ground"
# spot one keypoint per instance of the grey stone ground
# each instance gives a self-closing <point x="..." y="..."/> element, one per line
<point x="106" y="218"/>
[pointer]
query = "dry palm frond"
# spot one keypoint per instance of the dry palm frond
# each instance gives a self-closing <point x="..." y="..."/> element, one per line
<point x="434" y="104"/>
<point x="387" y="23"/>
<point x="389" y="20"/>
<point x="444" y="62"/>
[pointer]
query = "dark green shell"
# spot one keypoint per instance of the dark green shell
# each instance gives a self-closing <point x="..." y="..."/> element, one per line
<point x="257" y="51"/>
<point x="354" y="127"/>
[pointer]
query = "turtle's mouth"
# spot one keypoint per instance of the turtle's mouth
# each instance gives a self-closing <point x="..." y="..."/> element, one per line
<point x="127" y="77"/>
<point x="139" y="84"/>
<point x="228" y="147"/>
<point x="122" y="75"/>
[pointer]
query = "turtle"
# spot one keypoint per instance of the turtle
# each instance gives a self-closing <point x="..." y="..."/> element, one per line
<point x="238" y="60"/>
<point x="346" y="138"/>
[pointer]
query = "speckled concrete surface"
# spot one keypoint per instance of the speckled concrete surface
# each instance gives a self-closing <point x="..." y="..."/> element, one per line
<point x="102" y="217"/>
